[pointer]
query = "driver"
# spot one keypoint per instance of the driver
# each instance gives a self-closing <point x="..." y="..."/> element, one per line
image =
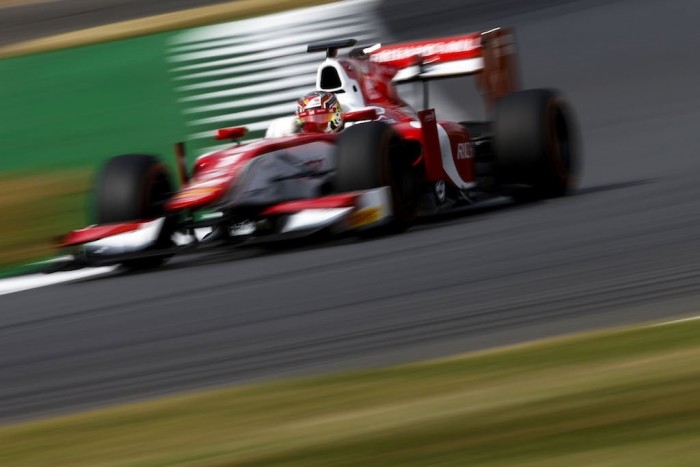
<point x="319" y="112"/>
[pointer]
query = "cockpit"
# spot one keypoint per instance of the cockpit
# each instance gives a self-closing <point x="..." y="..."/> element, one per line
<point x="337" y="77"/>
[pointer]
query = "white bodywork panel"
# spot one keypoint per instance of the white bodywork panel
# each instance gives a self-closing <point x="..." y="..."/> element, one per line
<point x="439" y="70"/>
<point x="128" y="242"/>
<point x="282" y="126"/>
<point x="371" y="207"/>
<point x="448" y="162"/>
<point x="349" y="92"/>
<point x="310" y="219"/>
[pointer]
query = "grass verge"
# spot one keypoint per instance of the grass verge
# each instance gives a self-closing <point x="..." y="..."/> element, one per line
<point x="35" y="208"/>
<point x="623" y="398"/>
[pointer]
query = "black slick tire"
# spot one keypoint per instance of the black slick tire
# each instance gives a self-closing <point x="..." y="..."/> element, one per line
<point x="133" y="187"/>
<point x="370" y="156"/>
<point x="535" y="142"/>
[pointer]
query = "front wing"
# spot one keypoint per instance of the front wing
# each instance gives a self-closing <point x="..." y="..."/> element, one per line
<point x="116" y="243"/>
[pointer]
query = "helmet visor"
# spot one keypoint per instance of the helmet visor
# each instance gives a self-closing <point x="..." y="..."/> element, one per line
<point x="316" y="116"/>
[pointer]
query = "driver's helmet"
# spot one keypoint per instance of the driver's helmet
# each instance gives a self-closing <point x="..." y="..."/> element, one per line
<point x="319" y="112"/>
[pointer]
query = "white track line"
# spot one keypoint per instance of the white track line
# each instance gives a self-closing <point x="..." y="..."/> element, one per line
<point x="682" y="320"/>
<point x="34" y="281"/>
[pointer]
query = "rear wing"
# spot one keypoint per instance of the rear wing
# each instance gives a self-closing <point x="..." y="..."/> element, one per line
<point x="489" y="55"/>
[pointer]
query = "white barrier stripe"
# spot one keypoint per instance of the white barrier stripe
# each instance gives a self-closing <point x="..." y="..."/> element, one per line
<point x="267" y="30"/>
<point x="263" y="45"/>
<point x="252" y="71"/>
<point x="253" y="67"/>
<point x="286" y="96"/>
<point x="252" y="127"/>
<point x="307" y="69"/>
<point x="269" y="111"/>
<point x="257" y="57"/>
<point x="277" y="20"/>
<point x="249" y="38"/>
<point x="265" y="55"/>
<point x="258" y="88"/>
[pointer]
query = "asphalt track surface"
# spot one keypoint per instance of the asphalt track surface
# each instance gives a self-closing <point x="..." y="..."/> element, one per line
<point x="623" y="249"/>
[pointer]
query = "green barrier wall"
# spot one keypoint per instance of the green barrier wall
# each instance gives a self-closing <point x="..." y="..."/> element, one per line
<point x="76" y="107"/>
<point x="61" y="114"/>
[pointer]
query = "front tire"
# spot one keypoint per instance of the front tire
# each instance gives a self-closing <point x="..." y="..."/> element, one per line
<point x="370" y="156"/>
<point x="134" y="187"/>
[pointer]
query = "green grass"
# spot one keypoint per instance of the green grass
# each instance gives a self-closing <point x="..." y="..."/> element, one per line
<point x="622" y="398"/>
<point x="76" y="107"/>
<point x="63" y="114"/>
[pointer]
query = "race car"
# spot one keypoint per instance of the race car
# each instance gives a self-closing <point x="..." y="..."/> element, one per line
<point x="380" y="166"/>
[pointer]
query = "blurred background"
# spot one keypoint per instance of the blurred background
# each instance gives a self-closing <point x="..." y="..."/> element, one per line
<point x="621" y="250"/>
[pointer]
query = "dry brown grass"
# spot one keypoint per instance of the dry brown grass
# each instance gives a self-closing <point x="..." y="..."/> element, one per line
<point x="160" y="23"/>
<point x="623" y="398"/>
<point x="37" y="208"/>
<point x="4" y="3"/>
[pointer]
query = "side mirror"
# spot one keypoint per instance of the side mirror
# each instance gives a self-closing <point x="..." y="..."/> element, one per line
<point x="234" y="133"/>
<point x="361" y="115"/>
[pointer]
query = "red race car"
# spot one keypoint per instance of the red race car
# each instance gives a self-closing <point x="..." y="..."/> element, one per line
<point x="354" y="158"/>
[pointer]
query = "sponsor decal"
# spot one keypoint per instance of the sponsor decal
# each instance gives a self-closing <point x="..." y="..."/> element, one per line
<point x="314" y="102"/>
<point x="306" y="113"/>
<point x="456" y="46"/>
<point x="198" y="191"/>
<point x="195" y="193"/>
<point x="365" y="216"/>
<point x="313" y="165"/>
<point x="371" y="90"/>
<point x="464" y="151"/>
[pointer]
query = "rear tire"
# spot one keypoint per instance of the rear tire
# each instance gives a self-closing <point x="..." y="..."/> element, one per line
<point x="535" y="142"/>
<point x="134" y="187"/>
<point x="370" y="156"/>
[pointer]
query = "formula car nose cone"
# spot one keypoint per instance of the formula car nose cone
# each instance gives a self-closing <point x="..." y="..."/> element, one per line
<point x="194" y="196"/>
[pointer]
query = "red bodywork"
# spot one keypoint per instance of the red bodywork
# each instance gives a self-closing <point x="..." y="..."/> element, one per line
<point x="97" y="232"/>
<point x="490" y="53"/>
<point x="214" y="173"/>
<point x="444" y="151"/>
<point x="327" y="202"/>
